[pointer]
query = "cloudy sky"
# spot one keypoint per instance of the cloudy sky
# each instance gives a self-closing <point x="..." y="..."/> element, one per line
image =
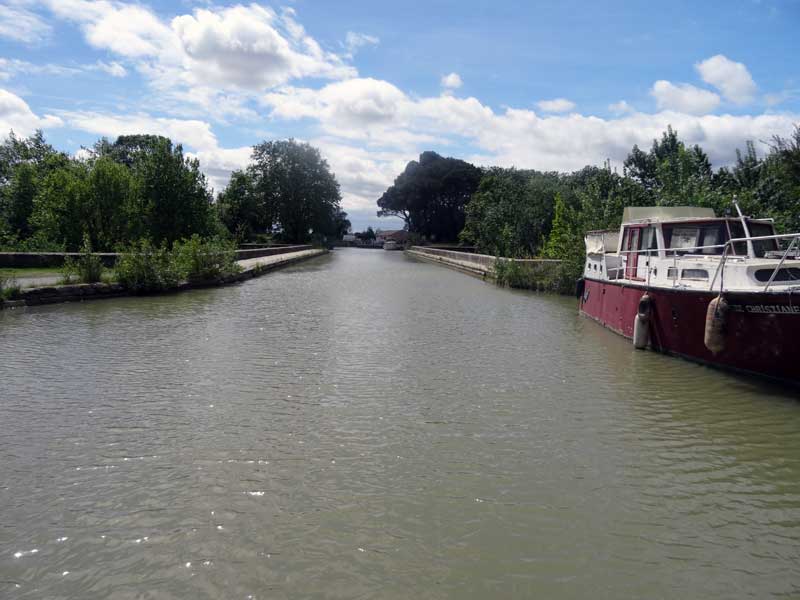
<point x="546" y="85"/>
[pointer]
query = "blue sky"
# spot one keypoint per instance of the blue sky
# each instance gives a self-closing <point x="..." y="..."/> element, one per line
<point x="547" y="85"/>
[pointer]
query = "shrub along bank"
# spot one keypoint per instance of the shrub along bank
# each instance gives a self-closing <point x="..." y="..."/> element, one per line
<point x="146" y="268"/>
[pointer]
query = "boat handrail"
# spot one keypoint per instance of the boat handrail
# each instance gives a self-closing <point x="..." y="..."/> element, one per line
<point x="719" y="272"/>
<point x="677" y="251"/>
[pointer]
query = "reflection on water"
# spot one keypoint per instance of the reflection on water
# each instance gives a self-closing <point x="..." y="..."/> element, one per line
<point x="364" y="425"/>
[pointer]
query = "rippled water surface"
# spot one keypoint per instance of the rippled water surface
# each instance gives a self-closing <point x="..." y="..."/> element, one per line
<point x="367" y="426"/>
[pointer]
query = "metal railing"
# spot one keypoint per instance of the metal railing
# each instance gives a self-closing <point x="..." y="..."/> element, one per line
<point x="720" y="270"/>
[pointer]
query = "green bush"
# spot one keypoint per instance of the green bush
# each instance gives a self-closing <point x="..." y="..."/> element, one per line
<point x="543" y="276"/>
<point x="69" y="271"/>
<point x="37" y="243"/>
<point x="199" y="260"/>
<point x="88" y="268"/>
<point x="9" y="288"/>
<point x="147" y="268"/>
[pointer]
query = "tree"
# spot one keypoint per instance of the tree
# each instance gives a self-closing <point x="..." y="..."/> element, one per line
<point x="23" y="163"/>
<point x="59" y="213"/>
<point x="340" y="225"/>
<point x="239" y="207"/>
<point x="173" y="201"/>
<point x="566" y="237"/>
<point x="18" y="199"/>
<point x="128" y="149"/>
<point x="108" y="204"/>
<point x="778" y="188"/>
<point x="294" y="190"/>
<point x="511" y="212"/>
<point x="671" y="173"/>
<point x="431" y="196"/>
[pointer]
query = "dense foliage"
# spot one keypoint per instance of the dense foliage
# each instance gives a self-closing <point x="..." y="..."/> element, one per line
<point x="142" y="187"/>
<point x="115" y="195"/>
<point x="526" y="213"/>
<point x="144" y="267"/>
<point x="431" y="196"/>
<point x="199" y="260"/>
<point x="87" y="268"/>
<point x="287" y="189"/>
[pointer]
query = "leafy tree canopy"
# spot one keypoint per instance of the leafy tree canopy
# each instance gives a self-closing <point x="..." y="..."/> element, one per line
<point x="289" y="189"/>
<point x="431" y="196"/>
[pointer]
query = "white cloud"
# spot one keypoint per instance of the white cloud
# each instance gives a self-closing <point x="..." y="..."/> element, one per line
<point x="218" y="163"/>
<point x="452" y="81"/>
<point x="12" y="67"/>
<point x="684" y="97"/>
<point x="193" y="133"/>
<point x="251" y="47"/>
<point x="730" y="77"/>
<point x="621" y="108"/>
<point x="21" y="25"/>
<point x="556" y="105"/>
<point x="365" y="109"/>
<point x="353" y="41"/>
<point x="382" y="117"/>
<point x="113" y="68"/>
<point x="362" y="173"/>
<point x="250" y="62"/>
<point x="212" y="52"/>
<point x="15" y="114"/>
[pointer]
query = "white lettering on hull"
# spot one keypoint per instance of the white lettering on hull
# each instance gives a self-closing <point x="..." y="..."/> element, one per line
<point x="766" y="309"/>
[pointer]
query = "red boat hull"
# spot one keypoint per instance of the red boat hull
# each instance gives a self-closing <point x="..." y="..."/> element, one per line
<point x="762" y="330"/>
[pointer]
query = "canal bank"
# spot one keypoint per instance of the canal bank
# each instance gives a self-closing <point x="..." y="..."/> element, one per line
<point x="368" y="425"/>
<point x="538" y="274"/>
<point x="253" y="264"/>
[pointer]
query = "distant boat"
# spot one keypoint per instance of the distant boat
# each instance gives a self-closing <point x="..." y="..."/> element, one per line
<point x="392" y="245"/>
<point x="720" y="291"/>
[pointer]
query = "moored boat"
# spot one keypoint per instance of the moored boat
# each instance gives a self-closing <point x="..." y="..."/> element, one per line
<point x="392" y="245"/>
<point x="724" y="291"/>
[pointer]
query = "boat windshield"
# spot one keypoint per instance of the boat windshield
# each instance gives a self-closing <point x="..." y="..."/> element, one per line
<point x="684" y="238"/>
<point x="760" y="247"/>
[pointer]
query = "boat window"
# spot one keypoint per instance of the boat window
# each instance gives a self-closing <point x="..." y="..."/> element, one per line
<point x="649" y="239"/>
<point x="737" y="231"/>
<point x="672" y="273"/>
<point x="761" y="247"/>
<point x="683" y="239"/>
<point x="694" y="274"/>
<point x="788" y="274"/>
<point x="630" y="240"/>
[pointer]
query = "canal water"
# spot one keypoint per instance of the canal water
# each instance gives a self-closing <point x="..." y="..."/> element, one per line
<point x="364" y="425"/>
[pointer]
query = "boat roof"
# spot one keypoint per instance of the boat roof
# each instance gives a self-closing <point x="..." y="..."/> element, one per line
<point x="665" y="213"/>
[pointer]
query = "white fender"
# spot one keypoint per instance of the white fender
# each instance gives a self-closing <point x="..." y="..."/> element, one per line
<point x="641" y="324"/>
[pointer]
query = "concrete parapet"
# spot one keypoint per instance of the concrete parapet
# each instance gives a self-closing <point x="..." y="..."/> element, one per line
<point x="251" y="267"/>
<point x="481" y="265"/>
<point x="22" y="260"/>
<point x="27" y="260"/>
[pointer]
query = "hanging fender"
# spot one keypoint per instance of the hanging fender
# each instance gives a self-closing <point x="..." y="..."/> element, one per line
<point x="580" y="285"/>
<point x="716" y="325"/>
<point x="641" y="323"/>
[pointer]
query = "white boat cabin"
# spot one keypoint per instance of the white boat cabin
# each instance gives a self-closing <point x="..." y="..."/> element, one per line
<point x="691" y="248"/>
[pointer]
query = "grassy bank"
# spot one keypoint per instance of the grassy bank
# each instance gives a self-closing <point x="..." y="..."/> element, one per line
<point x="542" y="277"/>
<point x="27" y="273"/>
